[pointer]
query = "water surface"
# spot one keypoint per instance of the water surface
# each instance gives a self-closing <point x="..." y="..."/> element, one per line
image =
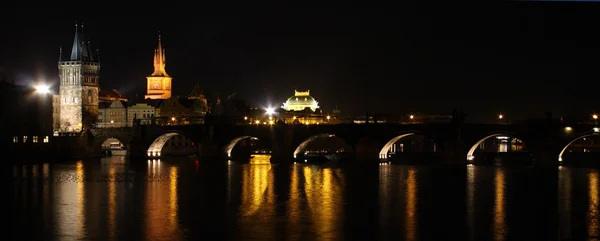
<point x="182" y="199"/>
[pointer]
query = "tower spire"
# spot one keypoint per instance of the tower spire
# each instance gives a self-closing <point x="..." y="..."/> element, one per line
<point x="75" y="51"/>
<point x="159" y="59"/>
<point x="59" y="53"/>
<point x="85" y="52"/>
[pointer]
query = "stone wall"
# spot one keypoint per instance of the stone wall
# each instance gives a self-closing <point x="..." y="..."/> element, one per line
<point x="70" y="109"/>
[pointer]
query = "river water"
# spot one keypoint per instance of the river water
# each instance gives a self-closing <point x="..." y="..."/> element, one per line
<point x="182" y="199"/>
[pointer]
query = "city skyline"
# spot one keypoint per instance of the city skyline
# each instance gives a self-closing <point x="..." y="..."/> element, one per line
<point x="377" y="62"/>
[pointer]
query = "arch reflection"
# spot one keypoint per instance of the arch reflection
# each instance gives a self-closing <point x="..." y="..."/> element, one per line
<point x="499" y="206"/>
<point x="255" y="181"/>
<point x="323" y="195"/>
<point x="70" y="214"/>
<point x="564" y="202"/>
<point x="471" y="209"/>
<point x="112" y="193"/>
<point x="411" y="205"/>
<point x="593" y="216"/>
<point x="161" y="202"/>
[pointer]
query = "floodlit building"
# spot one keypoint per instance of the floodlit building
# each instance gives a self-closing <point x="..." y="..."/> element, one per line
<point x="300" y="101"/>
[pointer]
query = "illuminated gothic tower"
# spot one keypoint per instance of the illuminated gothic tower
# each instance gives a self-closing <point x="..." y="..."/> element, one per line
<point x="159" y="83"/>
<point x="79" y="77"/>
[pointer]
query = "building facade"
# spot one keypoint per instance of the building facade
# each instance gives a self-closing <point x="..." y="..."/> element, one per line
<point x="112" y="115"/>
<point x="159" y="82"/>
<point x="55" y="114"/>
<point x="140" y="111"/>
<point x="79" y="78"/>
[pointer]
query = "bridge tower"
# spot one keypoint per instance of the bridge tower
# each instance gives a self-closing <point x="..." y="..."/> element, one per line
<point x="79" y="78"/>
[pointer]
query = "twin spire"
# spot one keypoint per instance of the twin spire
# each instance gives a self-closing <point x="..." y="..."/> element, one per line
<point x="81" y="50"/>
<point x="159" y="60"/>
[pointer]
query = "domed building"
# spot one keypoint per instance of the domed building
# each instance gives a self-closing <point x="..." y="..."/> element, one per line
<point x="300" y="101"/>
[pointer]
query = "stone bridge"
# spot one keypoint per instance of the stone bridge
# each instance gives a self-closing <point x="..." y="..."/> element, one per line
<point x="545" y="141"/>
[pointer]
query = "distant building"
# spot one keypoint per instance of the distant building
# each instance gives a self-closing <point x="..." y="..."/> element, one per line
<point x="300" y="101"/>
<point x="159" y="82"/>
<point x="180" y="111"/>
<point x="25" y="118"/>
<point x="112" y="114"/>
<point x="79" y="78"/>
<point x="141" y="111"/>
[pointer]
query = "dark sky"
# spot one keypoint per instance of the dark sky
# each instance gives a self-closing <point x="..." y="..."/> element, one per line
<point x="518" y="58"/>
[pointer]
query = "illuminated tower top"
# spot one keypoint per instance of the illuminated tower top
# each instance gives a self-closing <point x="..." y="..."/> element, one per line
<point x="159" y="60"/>
<point x="81" y="50"/>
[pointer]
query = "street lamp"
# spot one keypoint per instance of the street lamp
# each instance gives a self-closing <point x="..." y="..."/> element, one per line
<point x="411" y="117"/>
<point x="500" y="116"/>
<point x="595" y="117"/>
<point x="270" y="111"/>
<point x="42" y="89"/>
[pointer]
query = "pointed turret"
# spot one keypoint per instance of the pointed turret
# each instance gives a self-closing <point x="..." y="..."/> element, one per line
<point x="84" y="47"/>
<point x="81" y="50"/>
<point x="75" y="51"/>
<point x="159" y="60"/>
<point x="196" y="92"/>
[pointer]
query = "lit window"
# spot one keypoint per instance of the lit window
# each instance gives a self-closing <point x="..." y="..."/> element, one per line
<point x="46" y="139"/>
<point x="15" y="139"/>
<point x="24" y="139"/>
<point x="35" y="139"/>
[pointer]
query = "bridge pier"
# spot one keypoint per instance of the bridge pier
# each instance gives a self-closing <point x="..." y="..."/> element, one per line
<point x="367" y="150"/>
<point x="282" y="150"/>
<point x="209" y="150"/>
<point x="455" y="152"/>
<point x="137" y="150"/>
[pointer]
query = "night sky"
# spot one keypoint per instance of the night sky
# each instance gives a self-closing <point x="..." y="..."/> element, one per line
<point x="518" y="58"/>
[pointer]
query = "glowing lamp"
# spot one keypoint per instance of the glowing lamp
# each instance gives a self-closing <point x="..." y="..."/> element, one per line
<point x="270" y="111"/>
<point x="42" y="89"/>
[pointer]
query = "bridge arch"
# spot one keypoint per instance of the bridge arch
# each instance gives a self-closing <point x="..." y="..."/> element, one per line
<point x="383" y="153"/>
<point x="471" y="153"/>
<point x="112" y="142"/>
<point x="157" y="145"/>
<point x="307" y="141"/>
<point x="562" y="151"/>
<point x="235" y="141"/>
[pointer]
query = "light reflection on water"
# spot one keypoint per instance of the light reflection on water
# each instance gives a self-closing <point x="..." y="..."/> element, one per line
<point x="177" y="199"/>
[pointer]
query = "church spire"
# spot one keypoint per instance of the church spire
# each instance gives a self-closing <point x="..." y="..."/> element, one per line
<point x="159" y="59"/>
